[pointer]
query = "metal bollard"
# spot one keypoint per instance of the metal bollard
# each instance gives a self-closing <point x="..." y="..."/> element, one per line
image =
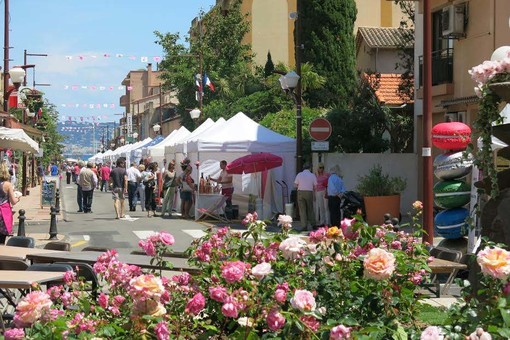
<point x="21" y="225"/>
<point x="57" y="201"/>
<point x="53" y="223"/>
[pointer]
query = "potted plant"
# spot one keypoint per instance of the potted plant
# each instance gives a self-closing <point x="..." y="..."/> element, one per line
<point x="381" y="194"/>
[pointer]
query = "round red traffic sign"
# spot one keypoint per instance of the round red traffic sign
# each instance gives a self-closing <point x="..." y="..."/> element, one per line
<point x="320" y="129"/>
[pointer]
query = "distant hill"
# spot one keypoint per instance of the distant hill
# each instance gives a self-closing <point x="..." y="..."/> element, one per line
<point x="83" y="140"/>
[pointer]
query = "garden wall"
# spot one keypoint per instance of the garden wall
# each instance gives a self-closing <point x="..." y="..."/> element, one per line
<point x="358" y="164"/>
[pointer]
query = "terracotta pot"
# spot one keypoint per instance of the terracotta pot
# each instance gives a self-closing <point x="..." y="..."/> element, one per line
<point x="377" y="206"/>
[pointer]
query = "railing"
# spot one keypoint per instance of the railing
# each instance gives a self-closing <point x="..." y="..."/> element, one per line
<point x="442" y="67"/>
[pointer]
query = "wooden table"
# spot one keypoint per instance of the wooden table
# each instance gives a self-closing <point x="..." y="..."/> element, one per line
<point x="440" y="266"/>
<point x="90" y="257"/>
<point x="21" y="279"/>
<point x="20" y="253"/>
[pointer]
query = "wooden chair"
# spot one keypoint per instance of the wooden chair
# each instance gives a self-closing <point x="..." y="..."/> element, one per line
<point x="21" y="241"/>
<point x="61" y="246"/>
<point x="448" y="255"/>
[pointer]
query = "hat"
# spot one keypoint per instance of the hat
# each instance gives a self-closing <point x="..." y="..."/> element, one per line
<point x="320" y="165"/>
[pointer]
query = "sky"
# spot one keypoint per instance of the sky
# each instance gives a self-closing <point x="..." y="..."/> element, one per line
<point x="91" y="46"/>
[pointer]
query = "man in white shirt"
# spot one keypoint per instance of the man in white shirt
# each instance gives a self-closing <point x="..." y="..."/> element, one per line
<point x="87" y="180"/>
<point x="306" y="183"/>
<point x="134" y="176"/>
<point x="227" y="187"/>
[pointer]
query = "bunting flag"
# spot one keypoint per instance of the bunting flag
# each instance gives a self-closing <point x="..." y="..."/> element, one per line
<point x="90" y="106"/>
<point x="98" y="87"/>
<point x="143" y="59"/>
<point x="208" y="82"/>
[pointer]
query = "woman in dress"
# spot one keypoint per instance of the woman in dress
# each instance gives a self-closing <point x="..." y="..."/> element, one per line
<point x="149" y="180"/>
<point x="321" y="196"/>
<point x="7" y="200"/>
<point x="141" y="188"/>
<point x="169" y="183"/>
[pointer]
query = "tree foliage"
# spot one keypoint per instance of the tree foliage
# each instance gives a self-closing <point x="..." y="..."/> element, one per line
<point x="328" y="43"/>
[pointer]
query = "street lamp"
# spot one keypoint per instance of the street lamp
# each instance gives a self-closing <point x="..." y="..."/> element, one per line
<point x="135" y="135"/>
<point x="112" y="145"/>
<point x="195" y="113"/>
<point x="17" y="75"/>
<point x="156" y="128"/>
<point x="121" y="140"/>
<point x="290" y="84"/>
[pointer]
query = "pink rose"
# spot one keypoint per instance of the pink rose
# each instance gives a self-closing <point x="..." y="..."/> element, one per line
<point x="340" y="332"/>
<point x="431" y="333"/>
<point x="280" y="295"/>
<point x="218" y="294"/>
<point x="285" y="221"/>
<point x="261" y="270"/>
<point x="292" y="247"/>
<point x="303" y="300"/>
<point x="14" y="334"/>
<point x="233" y="271"/>
<point x="161" y="330"/>
<point x="494" y="262"/>
<point x="418" y="205"/>
<point x="196" y="304"/>
<point x="32" y="308"/>
<point x="166" y="238"/>
<point x="379" y="264"/>
<point x="275" y="320"/>
<point x="310" y="321"/>
<point x="230" y="310"/>
<point x="346" y="226"/>
<point x="103" y="300"/>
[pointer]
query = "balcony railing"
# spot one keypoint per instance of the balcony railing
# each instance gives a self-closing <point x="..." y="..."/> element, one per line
<point x="442" y="67"/>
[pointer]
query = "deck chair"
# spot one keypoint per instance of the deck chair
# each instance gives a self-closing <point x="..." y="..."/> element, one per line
<point x="212" y="211"/>
<point x="449" y="255"/>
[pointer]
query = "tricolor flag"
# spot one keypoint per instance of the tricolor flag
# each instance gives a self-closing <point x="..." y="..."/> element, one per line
<point x="208" y="82"/>
<point x="198" y="83"/>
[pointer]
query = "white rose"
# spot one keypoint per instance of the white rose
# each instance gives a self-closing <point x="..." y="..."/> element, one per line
<point x="292" y="247"/>
<point x="261" y="270"/>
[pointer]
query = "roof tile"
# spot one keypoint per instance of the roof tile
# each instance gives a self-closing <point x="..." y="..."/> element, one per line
<point x="385" y="37"/>
<point x="386" y="88"/>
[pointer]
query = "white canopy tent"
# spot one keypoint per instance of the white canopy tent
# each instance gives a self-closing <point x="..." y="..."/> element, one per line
<point x="17" y="139"/>
<point x="181" y="145"/>
<point x="238" y="137"/>
<point x="157" y="152"/>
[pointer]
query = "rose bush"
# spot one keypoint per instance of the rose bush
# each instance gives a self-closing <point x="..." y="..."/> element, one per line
<point x="353" y="281"/>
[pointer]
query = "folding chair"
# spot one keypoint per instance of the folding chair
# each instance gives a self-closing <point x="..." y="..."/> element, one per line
<point x="212" y="211"/>
<point x="449" y="255"/>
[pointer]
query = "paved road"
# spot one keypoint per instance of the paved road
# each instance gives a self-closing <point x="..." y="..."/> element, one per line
<point x="101" y="229"/>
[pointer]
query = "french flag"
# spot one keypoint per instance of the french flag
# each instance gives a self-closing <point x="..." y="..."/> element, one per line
<point x="208" y="82"/>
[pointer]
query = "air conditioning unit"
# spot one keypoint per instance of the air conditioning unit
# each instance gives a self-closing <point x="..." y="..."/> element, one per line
<point x="452" y="19"/>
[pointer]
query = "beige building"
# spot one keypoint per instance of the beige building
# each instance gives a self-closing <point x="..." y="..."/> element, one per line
<point x="147" y="105"/>
<point x="472" y="31"/>
<point x="272" y="26"/>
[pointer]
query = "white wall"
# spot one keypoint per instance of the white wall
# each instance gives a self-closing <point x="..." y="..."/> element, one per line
<point x="358" y="164"/>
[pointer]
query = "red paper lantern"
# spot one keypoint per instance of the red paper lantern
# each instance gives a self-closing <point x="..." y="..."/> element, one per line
<point x="451" y="136"/>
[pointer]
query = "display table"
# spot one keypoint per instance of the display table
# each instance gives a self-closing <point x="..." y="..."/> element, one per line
<point x="20" y="279"/>
<point x="20" y="253"/>
<point x="209" y="205"/>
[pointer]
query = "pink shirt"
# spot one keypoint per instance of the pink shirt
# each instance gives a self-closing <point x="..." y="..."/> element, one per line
<point x="105" y="173"/>
<point x="322" y="181"/>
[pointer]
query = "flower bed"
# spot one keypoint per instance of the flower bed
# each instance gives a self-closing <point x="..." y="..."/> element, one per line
<point x="352" y="282"/>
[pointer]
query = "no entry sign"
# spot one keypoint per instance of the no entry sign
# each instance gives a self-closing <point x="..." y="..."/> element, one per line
<point x="320" y="129"/>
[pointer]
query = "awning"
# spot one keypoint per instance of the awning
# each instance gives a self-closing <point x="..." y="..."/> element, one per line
<point x="17" y="139"/>
<point x="459" y="100"/>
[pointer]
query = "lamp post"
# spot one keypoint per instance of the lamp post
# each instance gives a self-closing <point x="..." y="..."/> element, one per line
<point x="195" y="113"/>
<point x="291" y="84"/>
<point x="156" y="128"/>
<point x="135" y="136"/>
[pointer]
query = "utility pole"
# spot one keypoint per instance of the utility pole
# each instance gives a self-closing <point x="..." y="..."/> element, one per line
<point x="6" y="54"/>
<point x="299" y="120"/>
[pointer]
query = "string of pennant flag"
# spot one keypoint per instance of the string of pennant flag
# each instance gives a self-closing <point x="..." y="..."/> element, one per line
<point x="89" y="106"/>
<point x="97" y="87"/>
<point x="143" y="59"/>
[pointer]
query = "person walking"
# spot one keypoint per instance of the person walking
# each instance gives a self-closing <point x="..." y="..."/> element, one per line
<point x="169" y="185"/>
<point x="79" y="193"/>
<point x="40" y="173"/>
<point x="140" y="190"/>
<point x="87" y="180"/>
<point x="69" y="169"/>
<point x="118" y="180"/>
<point x="105" y="177"/>
<point x="149" y="180"/>
<point x="134" y="176"/>
<point x="7" y="200"/>
<point x="306" y="182"/>
<point x="53" y="169"/>
<point x="321" y="196"/>
<point x="187" y="186"/>
<point x="335" y="190"/>
<point x="225" y="179"/>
